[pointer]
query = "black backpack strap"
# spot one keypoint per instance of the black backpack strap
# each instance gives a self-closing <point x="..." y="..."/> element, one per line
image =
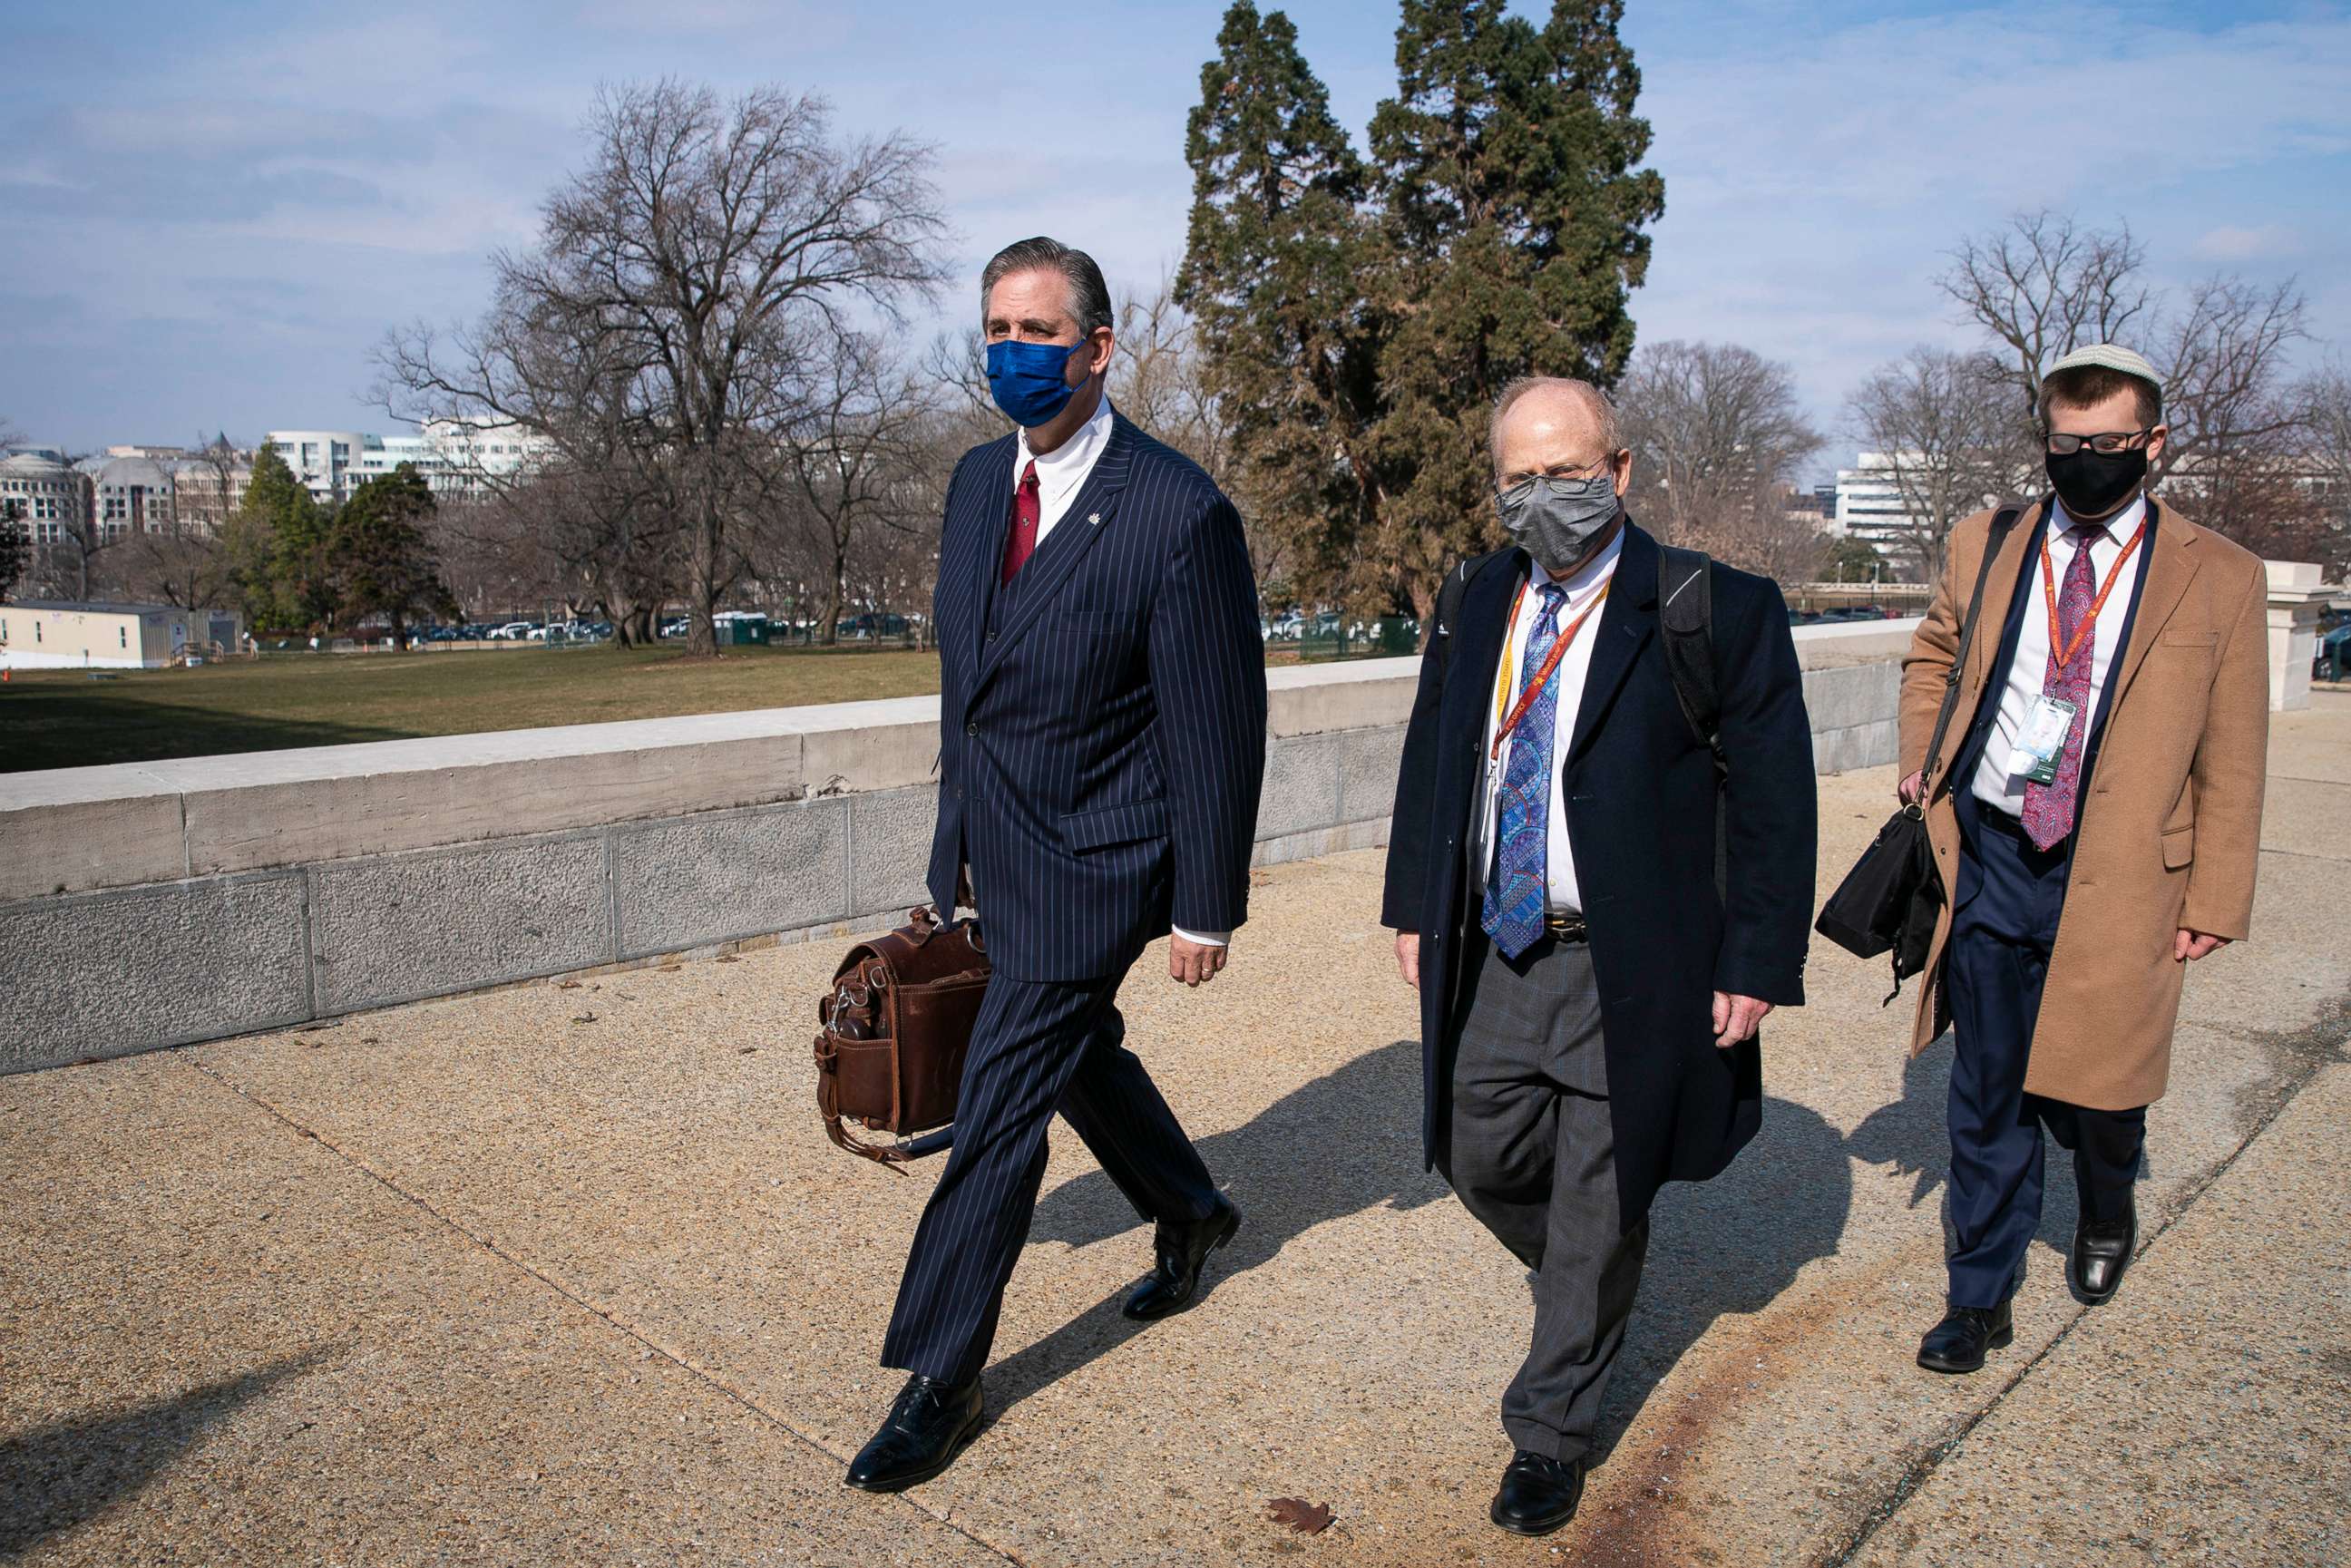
<point x="1449" y="613"/>
<point x="1686" y="607"/>
<point x="1448" y="606"/>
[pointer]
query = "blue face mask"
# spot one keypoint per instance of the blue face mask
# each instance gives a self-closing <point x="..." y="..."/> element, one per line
<point x="1025" y="379"/>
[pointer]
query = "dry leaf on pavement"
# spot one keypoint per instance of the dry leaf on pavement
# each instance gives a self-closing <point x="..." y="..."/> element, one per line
<point x="1306" y="1518"/>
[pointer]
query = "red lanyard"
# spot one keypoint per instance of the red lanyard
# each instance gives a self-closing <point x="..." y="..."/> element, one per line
<point x="1543" y="674"/>
<point x="2063" y="651"/>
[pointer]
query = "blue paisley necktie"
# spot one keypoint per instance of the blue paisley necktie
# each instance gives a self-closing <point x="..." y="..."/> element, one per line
<point x="1515" y="892"/>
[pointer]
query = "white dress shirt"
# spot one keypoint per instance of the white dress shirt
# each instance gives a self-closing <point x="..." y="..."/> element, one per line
<point x="1063" y="472"/>
<point x="1997" y="783"/>
<point x="1584" y="590"/>
<point x="1060" y="474"/>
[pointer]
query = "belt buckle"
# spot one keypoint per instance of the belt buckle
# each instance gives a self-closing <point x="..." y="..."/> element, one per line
<point x="1565" y="927"/>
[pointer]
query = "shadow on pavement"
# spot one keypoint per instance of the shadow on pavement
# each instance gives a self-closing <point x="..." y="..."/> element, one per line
<point x="54" y="1477"/>
<point x="1731" y="1244"/>
<point x="1909" y="1135"/>
<point x="1343" y="1144"/>
<point x="1350" y="1141"/>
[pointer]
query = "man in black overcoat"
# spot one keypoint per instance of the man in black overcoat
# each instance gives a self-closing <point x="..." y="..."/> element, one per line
<point x="1597" y="917"/>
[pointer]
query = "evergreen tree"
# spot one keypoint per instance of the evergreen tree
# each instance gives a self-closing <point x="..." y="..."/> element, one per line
<point x="1360" y="319"/>
<point x="275" y="543"/>
<point x="1512" y="207"/>
<point x="379" y="560"/>
<point x="15" y="547"/>
<point x="1269" y="280"/>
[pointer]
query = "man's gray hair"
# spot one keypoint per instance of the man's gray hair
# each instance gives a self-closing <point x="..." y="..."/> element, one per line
<point x="1603" y="412"/>
<point x="1089" y="295"/>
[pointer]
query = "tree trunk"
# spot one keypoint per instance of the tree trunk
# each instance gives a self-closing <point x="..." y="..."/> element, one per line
<point x="835" y="592"/>
<point x="701" y="630"/>
<point x="1423" y="610"/>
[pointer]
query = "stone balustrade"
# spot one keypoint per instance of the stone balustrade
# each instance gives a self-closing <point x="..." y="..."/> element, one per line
<point x="154" y="904"/>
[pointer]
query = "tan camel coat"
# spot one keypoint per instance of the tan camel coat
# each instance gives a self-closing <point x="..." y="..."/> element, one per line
<point x="2168" y="832"/>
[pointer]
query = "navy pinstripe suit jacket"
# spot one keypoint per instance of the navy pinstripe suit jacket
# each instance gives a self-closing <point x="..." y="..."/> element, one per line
<point x="1103" y="743"/>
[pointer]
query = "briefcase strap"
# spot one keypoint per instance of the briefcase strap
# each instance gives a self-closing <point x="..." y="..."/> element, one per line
<point x="2002" y="522"/>
<point x="827" y="1103"/>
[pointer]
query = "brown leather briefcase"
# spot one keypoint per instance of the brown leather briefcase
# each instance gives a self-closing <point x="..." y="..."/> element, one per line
<point x="897" y="1022"/>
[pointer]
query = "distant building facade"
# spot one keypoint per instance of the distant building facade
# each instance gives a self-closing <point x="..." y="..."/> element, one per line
<point x="128" y="495"/>
<point x="42" y="496"/>
<point x="207" y="488"/>
<point x="458" y="459"/>
<point x="1869" y="504"/>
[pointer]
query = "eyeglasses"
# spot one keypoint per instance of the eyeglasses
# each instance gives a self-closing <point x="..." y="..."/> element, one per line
<point x="2108" y="441"/>
<point x="1561" y="482"/>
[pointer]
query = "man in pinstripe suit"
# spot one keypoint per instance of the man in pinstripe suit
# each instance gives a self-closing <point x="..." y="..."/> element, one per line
<point x="1102" y="739"/>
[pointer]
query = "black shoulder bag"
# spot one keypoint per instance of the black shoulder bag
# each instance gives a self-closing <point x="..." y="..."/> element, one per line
<point x="1892" y="897"/>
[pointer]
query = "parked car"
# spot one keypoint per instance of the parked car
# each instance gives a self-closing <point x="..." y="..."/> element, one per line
<point x="2332" y="662"/>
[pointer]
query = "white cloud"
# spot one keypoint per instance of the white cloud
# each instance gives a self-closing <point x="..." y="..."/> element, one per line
<point x="1813" y="192"/>
<point x="2232" y="241"/>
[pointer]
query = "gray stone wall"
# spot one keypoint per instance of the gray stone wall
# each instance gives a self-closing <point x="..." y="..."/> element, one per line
<point x="161" y="904"/>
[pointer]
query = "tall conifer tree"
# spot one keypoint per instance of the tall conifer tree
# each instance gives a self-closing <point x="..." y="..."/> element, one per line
<point x="1512" y="209"/>
<point x="1361" y="316"/>
<point x="1269" y="279"/>
<point x="382" y="563"/>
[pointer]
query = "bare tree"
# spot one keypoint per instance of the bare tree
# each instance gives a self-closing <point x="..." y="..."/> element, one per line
<point x="1945" y="427"/>
<point x="2222" y="358"/>
<point x="174" y="561"/>
<point x="710" y="257"/>
<point x="2041" y="286"/>
<point x="850" y="458"/>
<point x="2323" y="399"/>
<point x="77" y="562"/>
<point x="1717" y="433"/>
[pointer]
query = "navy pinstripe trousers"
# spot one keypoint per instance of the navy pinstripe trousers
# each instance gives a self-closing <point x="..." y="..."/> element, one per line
<point x="1038" y="1047"/>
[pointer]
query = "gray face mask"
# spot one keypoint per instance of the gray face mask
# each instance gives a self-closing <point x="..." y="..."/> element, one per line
<point x="1556" y="520"/>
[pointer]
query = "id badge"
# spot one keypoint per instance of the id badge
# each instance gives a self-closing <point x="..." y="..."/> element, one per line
<point x="2043" y="740"/>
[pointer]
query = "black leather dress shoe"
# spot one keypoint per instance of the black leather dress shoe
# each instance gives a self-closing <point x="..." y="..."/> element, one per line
<point x="1958" y="1343"/>
<point x="1538" y="1494"/>
<point x="927" y="1427"/>
<point x="1181" y="1247"/>
<point x="2101" y="1253"/>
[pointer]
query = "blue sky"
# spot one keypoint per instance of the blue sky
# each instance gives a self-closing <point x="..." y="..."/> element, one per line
<point x="212" y="212"/>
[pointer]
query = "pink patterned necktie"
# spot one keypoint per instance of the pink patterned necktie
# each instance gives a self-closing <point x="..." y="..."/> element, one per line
<point x="2048" y="814"/>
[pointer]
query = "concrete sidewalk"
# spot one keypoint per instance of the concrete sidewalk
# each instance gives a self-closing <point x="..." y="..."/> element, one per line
<point x="568" y="1274"/>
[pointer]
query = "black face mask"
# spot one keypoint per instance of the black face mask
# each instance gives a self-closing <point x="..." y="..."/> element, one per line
<point x="2093" y="484"/>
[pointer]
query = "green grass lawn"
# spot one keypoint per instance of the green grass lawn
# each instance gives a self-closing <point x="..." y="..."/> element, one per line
<point x="64" y="719"/>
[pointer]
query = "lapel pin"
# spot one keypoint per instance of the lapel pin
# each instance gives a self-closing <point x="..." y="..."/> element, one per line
<point x="1095" y="518"/>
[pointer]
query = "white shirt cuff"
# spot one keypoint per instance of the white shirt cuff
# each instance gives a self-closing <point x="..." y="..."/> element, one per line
<point x="1204" y="939"/>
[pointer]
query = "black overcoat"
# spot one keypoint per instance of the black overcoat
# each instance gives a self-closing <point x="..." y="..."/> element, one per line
<point x="1641" y="802"/>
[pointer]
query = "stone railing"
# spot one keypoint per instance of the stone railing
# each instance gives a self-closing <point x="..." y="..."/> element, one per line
<point x="156" y="903"/>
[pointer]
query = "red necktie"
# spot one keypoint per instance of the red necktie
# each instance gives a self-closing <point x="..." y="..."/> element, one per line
<point x="1026" y="509"/>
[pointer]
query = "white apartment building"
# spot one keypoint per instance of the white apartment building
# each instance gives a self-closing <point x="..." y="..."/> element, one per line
<point x="1869" y="504"/>
<point x="457" y="458"/>
<point x="41" y="495"/>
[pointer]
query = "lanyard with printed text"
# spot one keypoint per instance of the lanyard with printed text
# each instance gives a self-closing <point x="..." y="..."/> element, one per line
<point x="2063" y="651"/>
<point x="1543" y="673"/>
